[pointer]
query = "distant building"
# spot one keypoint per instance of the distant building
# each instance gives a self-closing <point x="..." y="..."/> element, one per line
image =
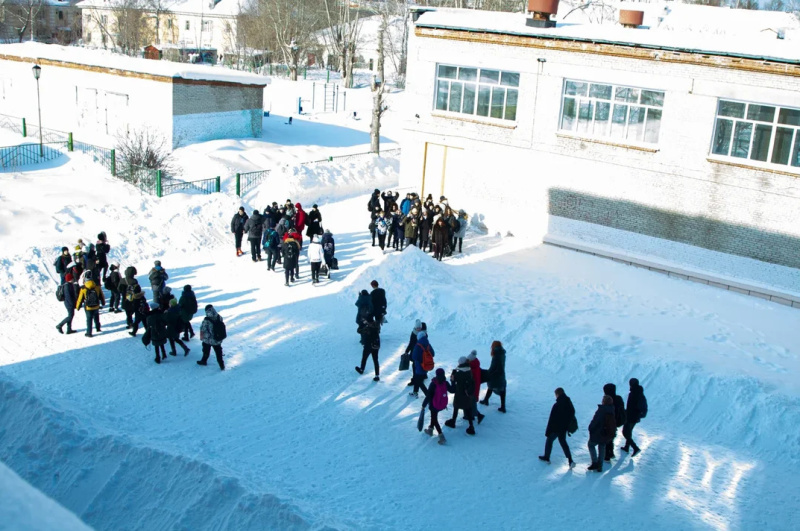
<point x="51" y="21"/>
<point x="675" y="130"/>
<point x="98" y="95"/>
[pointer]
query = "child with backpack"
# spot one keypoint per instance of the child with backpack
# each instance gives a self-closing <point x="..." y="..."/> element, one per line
<point x="436" y="397"/>
<point x="212" y="333"/>
<point x="111" y="283"/>
<point x="422" y="355"/>
<point x="381" y="228"/>
<point x="91" y="296"/>
<point x="272" y="247"/>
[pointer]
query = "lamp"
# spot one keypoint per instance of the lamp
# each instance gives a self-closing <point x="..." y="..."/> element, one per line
<point x="37" y="71"/>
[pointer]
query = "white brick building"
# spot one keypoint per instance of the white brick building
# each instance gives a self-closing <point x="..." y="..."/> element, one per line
<point x="690" y="137"/>
<point x="98" y="95"/>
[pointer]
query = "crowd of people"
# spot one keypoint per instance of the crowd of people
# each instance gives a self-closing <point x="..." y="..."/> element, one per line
<point x="433" y="227"/>
<point x="85" y="273"/>
<point x="278" y="231"/>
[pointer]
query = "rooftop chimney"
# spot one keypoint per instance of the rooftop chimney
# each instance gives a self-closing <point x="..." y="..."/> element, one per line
<point x="631" y="18"/>
<point x="541" y="11"/>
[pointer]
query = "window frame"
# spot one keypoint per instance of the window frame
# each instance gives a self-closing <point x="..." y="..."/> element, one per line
<point x="612" y="102"/>
<point x="794" y="141"/>
<point x="477" y="83"/>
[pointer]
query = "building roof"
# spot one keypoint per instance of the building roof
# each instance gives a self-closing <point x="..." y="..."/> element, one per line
<point x="668" y="26"/>
<point x="35" y="51"/>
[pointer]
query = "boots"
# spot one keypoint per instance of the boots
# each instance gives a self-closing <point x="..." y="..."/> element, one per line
<point x="442" y="440"/>
<point x="428" y="431"/>
<point x="450" y="423"/>
<point x="471" y="430"/>
<point x="239" y="252"/>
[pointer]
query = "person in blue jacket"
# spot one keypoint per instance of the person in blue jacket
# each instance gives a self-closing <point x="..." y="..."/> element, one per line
<point x="420" y="374"/>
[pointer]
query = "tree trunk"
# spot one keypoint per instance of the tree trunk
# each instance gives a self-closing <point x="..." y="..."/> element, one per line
<point x="377" y="99"/>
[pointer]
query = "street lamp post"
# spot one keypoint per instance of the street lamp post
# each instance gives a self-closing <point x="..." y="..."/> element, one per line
<point x="37" y="71"/>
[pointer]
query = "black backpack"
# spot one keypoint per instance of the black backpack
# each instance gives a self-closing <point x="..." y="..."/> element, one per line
<point x="91" y="298"/>
<point x="456" y="225"/>
<point x="60" y="293"/>
<point x="291" y="250"/>
<point x="609" y="427"/>
<point x="218" y="329"/>
<point x="572" y="427"/>
<point x="642" y="407"/>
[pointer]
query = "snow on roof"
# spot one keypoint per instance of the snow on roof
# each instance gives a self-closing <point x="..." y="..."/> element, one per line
<point x="106" y="59"/>
<point x="226" y="8"/>
<point x="690" y="30"/>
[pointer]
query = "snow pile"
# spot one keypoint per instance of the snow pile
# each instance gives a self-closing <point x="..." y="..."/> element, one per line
<point x="24" y="507"/>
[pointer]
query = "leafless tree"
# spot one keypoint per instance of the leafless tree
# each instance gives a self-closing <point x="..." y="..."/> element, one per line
<point x="131" y="29"/>
<point x="22" y="16"/>
<point x="378" y="88"/>
<point x="341" y="36"/>
<point x="289" y="26"/>
<point x="143" y="148"/>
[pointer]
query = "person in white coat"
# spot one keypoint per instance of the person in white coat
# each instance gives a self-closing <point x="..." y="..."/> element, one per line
<point x="315" y="257"/>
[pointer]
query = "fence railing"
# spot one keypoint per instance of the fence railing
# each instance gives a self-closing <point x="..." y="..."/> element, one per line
<point x="104" y="156"/>
<point x="249" y="180"/>
<point x="203" y="186"/>
<point x="11" y="122"/>
<point x="12" y="157"/>
<point x="344" y="158"/>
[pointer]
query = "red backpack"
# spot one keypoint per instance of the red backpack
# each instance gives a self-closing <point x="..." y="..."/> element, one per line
<point x="427" y="358"/>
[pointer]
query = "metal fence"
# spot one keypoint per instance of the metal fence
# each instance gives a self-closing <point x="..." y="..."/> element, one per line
<point x="344" y="158"/>
<point x="11" y="122"/>
<point x="12" y="157"/>
<point x="103" y="156"/>
<point x="203" y="186"/>
<point x="48" y="135"/>
<point x="249" y="180"/>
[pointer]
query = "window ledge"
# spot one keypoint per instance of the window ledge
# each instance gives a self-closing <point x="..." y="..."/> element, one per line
<point x="476" y="120"/>
<point x="744" y="163"/>
<point x="608" y="142"/>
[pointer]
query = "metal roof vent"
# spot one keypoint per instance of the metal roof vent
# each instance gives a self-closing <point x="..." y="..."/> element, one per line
<point x="541" y="11"/>
<point x="631" y="18"/>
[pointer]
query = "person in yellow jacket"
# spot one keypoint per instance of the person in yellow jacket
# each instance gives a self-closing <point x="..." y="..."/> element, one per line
<point x="91" y="296"/>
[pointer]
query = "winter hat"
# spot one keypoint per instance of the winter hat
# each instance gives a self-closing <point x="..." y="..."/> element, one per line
<point x="209" y="307"/>
<point x="462" y="360"/>
<point x="610" y="389"/>
<point x="374" y="283"/>
<point x="417" y="325"/>
<point x="440" y="373"/>
<point x="472" y="355"/>
<point x="327" y="231"/>
<point x="376" y="191"/>
<point x="314" y="205"/>
<point x="241" y="209"/>
<point x="634" y="382"/>
<point x="187" y="287"/>
<point x="173" y="302"/>
<point x="157" y="263"/>
<point x="64" y="249"/>
<point x="113" y="267"/>
<point x="68" y="277"/>
<point x="255" y="212"/>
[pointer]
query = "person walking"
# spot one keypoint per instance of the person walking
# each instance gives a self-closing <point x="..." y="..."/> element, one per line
<point x="140" y="310"/>
<point x="102" y="248"/>
<point x="496" y="376"/>
<point x="378" y="296"/>
<point x="315" y="258"/>
<point x="412" y="342"/>
<point x="561" y="415"/>
<point x="62" y="263"/>
<point x="601" y="432"/>
<point x="461" y="231"/>
<point x="475" y="369"/>
<point x="329" y="250"/>
<point x="370" y="337"/>
<point x="364" y="307"/>
<point x="636" y="411"/>
<point x="461" y="378"/>
<point x="300" y="217"/>
<point x="158" y="279"/>
<point x="254" y="227"/>
<point x="174" y="328"/>
<point x="382" y="229"/>
<point x="70" y="299"/>
<point x="436" y="397"/>
<point x="91" y="296"/>
<point x="126" y="287"/>
<point x="112" y="284"/>
<point x="157" y="326"/>
<point x="440" y="239"/>
<point x="291" y="256"/>
<point x="422" y="355"/>
<point x="272" y="246"/>
<point x="237" y="228"/>
<point x="619" y="417"/>
<point x="212" y="334"/>
<point x="188" y="306"/>
<point x="313" y="222"/>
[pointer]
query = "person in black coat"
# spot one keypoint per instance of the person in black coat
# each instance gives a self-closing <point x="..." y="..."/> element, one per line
<point x="102" y="248"/>
<point x="157" y="326"/>
<point x="112" y="284"/>
<point x="636" y="402"/>
<point x="412" y="342"/>
<point x="364" y="305"/>
<point x="70" y="298"/>
<point x="464" y="389"/>
<point x="619" y="416"/>
<point x="313" y="222"/>
<point x="601" y="431"/>
<point x="254" y="227"/>
<point x="561" y="416"/>
<point x="370" y="337"/>
<point x="188" y="306"/>
<point x="378" y="297"/>
<point x="496" y="376"/>
<point x="440" y="238"/>
<point x="62" y="262"/>
<point x="175" y="327"/>
<point x="237" y="228"/>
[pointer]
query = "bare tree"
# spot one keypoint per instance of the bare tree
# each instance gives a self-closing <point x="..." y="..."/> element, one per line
<point x="131" y="30"/>
<point x="341" y="36"/>
<point x="143" y="148"/>
<point x="21" y="17"/>
<point x="378" y="89"/>
<point x="289" y="26"/>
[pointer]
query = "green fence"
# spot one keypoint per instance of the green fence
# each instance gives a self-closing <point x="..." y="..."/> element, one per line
<point x="13" y="157"/>
<point x="100" y="155"/>
<point x="344" y="158"/>
<point x="203" y="186"/>
<point x="11" y="122"/>
<point x="249" y="180"/>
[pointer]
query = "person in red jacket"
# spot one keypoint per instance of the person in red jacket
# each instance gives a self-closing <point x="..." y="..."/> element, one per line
<point x="475" y="368"/>
<point x="300" y="217"/>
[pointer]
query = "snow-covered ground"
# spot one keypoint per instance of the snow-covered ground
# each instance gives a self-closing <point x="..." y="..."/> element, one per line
<point x="291" y="437"/>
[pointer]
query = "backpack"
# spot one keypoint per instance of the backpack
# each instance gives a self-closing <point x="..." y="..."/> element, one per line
<point x="619" y="412"/>
<point x="92" y="300"/>
<point x="129" y="293"/>
<point x="642" y="407"/>
<point x="109" y="283"/>
<point x="427" y="359"/>
<point x="456" y="225"/>
<point x="291" y="250"/>
<point x="60" y="293"/>
<point x="609" y="428"/>
<point x="218" y="330"/>
<point x="439" y="401"/>
<point x="381" y="226"/>
<point x="572" y="427"/>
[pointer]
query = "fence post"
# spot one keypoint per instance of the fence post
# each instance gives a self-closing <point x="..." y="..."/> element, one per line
<point x="158" y="183"/>
<point x="217" y="184"/>
<point x="69" y="143"/>
<point x="238" y="185"/>
<point x="328" y="79"/>
<point x="330" y="158"/>
<point x="305" y="69"/>
<point x="114" y="162"/>
<point x="24" y="128"/>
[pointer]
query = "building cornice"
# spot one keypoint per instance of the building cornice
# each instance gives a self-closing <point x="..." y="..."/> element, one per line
<point x="709" y="59"/>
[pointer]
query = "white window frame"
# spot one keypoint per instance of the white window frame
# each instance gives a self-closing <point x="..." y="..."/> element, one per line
<point x="478" y="84"/>
<point x="208" y="26"/>
<point x="606" y="134"/>
<point x="794" y="142"/>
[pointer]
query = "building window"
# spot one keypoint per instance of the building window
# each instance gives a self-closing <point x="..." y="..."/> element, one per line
<point x="207" y="25"/>
<point x="104" y="18"/>
<point x="490" y="93"/>
<point x="187" y="24"/>
<point x="765" y="133"/>
<point x="60" y="15"/>
<point x="169" y="23"/>
<point x="611" y="111"/>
